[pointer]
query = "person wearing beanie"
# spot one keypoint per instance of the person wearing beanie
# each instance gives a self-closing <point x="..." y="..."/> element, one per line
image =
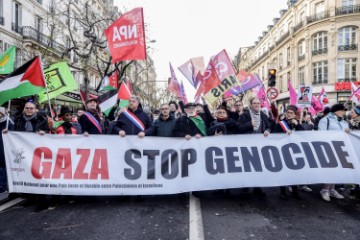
<point x="65" y="125"/>
<point x="3" y="123"/>
<point x="334" y="121"/>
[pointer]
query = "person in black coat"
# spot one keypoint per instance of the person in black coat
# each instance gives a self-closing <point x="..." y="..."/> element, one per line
<point x="293" y="124"/>
<point x="31" y="121"/>
<point x="90" y="120"/>
<point x="126" y="122"/>
<point x="3" y="122"/>
<point x="223" y="125"/>
<point x="191" y="124"/>
<point x="164" y="125"/>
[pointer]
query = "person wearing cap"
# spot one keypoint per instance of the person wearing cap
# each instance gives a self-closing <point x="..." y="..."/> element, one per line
<point x="90" y="120"/>
<point x="66" y="125"/>
<point x="288" y="125"/>
<point x="191" y="124"/>
<point x="133" y="120"/>
<point x="334" y="121"/>
<point x="3" y="127"/>
<point x="355" y="118"/>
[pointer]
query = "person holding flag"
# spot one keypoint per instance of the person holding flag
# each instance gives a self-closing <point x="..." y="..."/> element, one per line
<point x="90" y="120"/>
<point x="133" y="120"/>
<point x="288" y="125"/>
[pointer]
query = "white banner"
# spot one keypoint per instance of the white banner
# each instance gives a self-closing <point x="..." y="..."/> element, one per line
<point x="111" y="165"/>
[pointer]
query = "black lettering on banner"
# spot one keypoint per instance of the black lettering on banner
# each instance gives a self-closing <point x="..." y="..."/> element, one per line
<point x="151" y="154"/>
<point x="226" y="83"/>
<point x="220" y="87"/>
<point x="272" y="159"/>
<point x="214" y="165"/>
<point x="342" y="154"/>
<point x="169" y="164"/>
<point x="251" y="159"/>
<point x="215" y="92"/>
<point x="231" y="158"/>
<point x="233" y="80"/>
<point x="188" y="156"/>
<point x="135" y="172"/>
<point x="299" y="162"/>
<point x="325" y="162"/>
<point x="309" y="155"/>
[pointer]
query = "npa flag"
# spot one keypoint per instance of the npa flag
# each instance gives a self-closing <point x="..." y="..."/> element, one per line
<point x="208" y="80"/>
<point x="293" y="95"/>
<point x="355" y="96"/>
<point x="223" y="65"/>
<point x="173" y="84"/>
<point x="247" y="82"/>
<point x="7" y="60"/>
<point x="191" y="69"/>
<point x="263" y="98"/>
<point x="323" y="98"/>
<point x="126" y="37"/>
<point x="58" y="81"/>
<point x="24" y="81"/>
<point x="107" y="101"/>
<point x="109" y="82"/>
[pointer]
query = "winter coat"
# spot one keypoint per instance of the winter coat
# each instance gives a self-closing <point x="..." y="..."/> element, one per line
<point x="293" y="127"/>
<point x="88" y="126"/>
<point x="69" y="128"/>
<point x="332" y="123"/>
<point x="245" y="123"/>
<point x="2" y="155"/>
<point x="185" y="126"/>
<point x="227" y="127"/>
<point x="163" y="128"/>
<point x="39" y="123"/>
<point x="124" y="123"/>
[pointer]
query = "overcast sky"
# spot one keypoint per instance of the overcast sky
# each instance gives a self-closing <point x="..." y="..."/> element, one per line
<point x="190" y="28"/>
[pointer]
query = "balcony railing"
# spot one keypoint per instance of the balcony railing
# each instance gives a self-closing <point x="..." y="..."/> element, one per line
<point x="260" y="58"/>
<point x="318" y="16"/>
<point x="16" y="28"/>
<point x="302" y="57"/>
<point x="348" y="47"/>
<point x="2" y="21"/>
<point x="282" y="38"/>
<point x="319" y="82"/>
<point x="347" y="10"/>
<point x="319" y="51"/>
<point x="298" y="26"/>
<point x="346" y="79"/>
<point x="33" y="34"/>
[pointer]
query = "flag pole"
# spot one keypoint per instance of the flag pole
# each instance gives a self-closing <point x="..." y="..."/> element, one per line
<point x="47" y="92"/>
<point x="8" y="113"/>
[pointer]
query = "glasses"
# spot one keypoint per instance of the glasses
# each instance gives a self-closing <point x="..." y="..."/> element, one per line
<point x="29" y="108"/>
<point x="238" y="105"/>
<point x="290" y="113"/>
<point x="164" y="109"/>
<point x="256" y="103"/>
<point x="221" y="112"/>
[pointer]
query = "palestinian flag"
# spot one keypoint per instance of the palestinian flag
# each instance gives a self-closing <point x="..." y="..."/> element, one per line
<point x="7" y="61"/>
<point x="124" y="95"/>
<point x="107" y="101"/>
<point x="25" y="81"/>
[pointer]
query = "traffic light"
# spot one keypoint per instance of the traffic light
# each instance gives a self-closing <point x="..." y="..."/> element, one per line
<point x="272" y="77"/>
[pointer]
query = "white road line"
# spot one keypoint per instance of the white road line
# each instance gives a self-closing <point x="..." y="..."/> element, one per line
<point x="11" y="203"/>
<point x="196" y="228"/>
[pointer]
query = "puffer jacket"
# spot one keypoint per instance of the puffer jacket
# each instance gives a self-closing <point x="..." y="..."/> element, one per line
<point x="332" y="123"/>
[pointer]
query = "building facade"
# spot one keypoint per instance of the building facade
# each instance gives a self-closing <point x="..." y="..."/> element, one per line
<point x="314" y="42"/>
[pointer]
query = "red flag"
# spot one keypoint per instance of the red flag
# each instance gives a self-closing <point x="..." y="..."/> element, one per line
<point x="183" y="94"/>
<point x="128" y="83"/>
<point x="209" y="80"/>
<point x="126" y="37"/>
<point x="173" y="84"/>
<point x="223" y="65"/>
<point x="124" y="92"/>
<point x="34" y="74"/>
<point x="113" y="80"/>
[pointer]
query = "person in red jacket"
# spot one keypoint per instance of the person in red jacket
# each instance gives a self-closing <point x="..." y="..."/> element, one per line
<point x="66" y="124"/>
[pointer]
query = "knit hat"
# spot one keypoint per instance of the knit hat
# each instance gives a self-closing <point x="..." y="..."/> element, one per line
<point x="292" y="108"/>
<point x="64" y="110"/>
<point x="2" y="110"/>
<point x="337" y="107"/>
<point x="357" y="110"/>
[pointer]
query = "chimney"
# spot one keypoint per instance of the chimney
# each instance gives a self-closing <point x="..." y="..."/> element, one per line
<point x="291" y="3"/>
<point x="275" y="20"/>
<point x="260" y="38"/>
<point x="264" y="33"/>
<point x="282" y="12"/>
<point x="256" y="43"/>
<point x="269" y="27"/>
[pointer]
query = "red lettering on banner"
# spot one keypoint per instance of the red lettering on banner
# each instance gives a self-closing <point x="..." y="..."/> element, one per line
<point x="339" y="86"/>
<point x="42" y="169"/>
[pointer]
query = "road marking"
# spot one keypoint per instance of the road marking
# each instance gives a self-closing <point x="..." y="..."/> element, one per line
<point x="196" y="228"/>
<point x="11" y="203"/>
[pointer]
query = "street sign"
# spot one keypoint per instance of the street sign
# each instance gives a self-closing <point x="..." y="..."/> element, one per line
<point x="272" y="93"/>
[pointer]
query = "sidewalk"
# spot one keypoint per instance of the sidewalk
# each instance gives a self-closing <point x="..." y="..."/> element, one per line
<point x="4" y="197"/>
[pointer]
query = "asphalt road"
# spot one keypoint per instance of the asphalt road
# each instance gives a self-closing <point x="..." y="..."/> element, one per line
<point x="238" y="216"/>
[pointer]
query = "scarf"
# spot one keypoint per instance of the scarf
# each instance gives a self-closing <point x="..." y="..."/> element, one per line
<point x="28" y="124"/>
<point x="221" y="119"/>
<point x="200" y="124"/>
<point x="355" y="122"/>
<point x="255" y="116"/>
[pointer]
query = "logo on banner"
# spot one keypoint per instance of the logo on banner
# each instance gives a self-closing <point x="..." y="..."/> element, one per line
<point x="19" y="156"/>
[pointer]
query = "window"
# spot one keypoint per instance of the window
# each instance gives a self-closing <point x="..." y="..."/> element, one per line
<point x="320" y="10"/>
<point x="347" y="39"/>
<point x="302" y="16"/>
<point x="280" y="61"/>
<point x="18" y="61"/>
<point x="301" y="76"/>
<point x="16" y="17"/>
<point x="301" y="47"/>
<point x="280" y="83"/>
<point x="288" y="53"/>
<point x="346" y="69"/>
<point x="319" y="43"/>
<point x="347" y="3"/>
<point x="320" y="72"/>
<point x="39" y="24"/>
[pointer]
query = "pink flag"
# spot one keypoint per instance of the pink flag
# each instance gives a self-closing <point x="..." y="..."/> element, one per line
<point x="183" y="94"/>
<point x="323" y="98"/>
<point x="173" y="84"/>
<point x="316" y="105"/>
<point x="223" y="65"/>
<point x="263" y="98"/>
<point x="355" y="96"/>
<point x="293" y="95"/>
<point x="191" y="68"/>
